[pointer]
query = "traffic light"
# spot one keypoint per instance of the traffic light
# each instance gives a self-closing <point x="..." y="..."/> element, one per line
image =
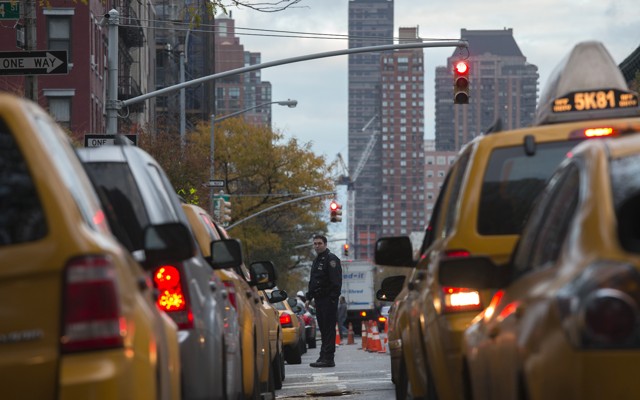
<point x="335" y="211"/>
<point x="224" y="206"/>
<point x="345" y="249"/>
<point x="461" y="82"/>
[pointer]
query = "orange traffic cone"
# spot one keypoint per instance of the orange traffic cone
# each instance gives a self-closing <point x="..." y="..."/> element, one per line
<point x="383" y="343"/>
<point x="350" y="334"/>
<point x="337" y="336"/>
<point x="375" y="343"/>
<point x="364" y="336"/>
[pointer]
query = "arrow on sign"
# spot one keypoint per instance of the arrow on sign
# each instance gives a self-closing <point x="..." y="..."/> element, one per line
<point x="33" y="62"/>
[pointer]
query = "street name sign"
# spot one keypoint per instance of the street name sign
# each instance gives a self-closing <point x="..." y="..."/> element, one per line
<point x="33" y="62"/>
<point x="105" y="140"/>
<point x="9" y="10"/>
<point x="216" y="183"/>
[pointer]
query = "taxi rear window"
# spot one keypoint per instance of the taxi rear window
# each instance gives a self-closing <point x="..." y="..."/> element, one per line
<point x="625" y="185"/>
<point x="511" y="183"/>
<point x="21" y="214"/>
<point x="117" y="187"/>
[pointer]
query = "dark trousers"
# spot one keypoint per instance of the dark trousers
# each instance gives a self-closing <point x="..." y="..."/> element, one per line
<point x="326" y="310"/>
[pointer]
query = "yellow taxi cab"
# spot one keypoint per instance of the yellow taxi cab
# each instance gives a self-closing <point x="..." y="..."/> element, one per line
<point x="392" y="289"/>
<point x="292" y="331"/>
<point x="227" y="253"/>
<point x="254" y="339"/>
<point x="564" y="321"/>
<point x="78" y="320"/>
<point x="484" y="201"/>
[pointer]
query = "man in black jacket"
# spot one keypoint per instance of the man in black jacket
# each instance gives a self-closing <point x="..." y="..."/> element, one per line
<point x="325" y="284"/>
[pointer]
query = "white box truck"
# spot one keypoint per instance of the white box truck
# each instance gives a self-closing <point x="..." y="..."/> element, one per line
<point x="358" y="279"/>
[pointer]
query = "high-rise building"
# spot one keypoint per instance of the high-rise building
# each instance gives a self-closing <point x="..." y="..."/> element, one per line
<point x="370" y="24"/>
<point x="402" y="139"/>
<point x="503" y="87"/>
<point x="436" y="167"/>
<point x="242" y="91"/>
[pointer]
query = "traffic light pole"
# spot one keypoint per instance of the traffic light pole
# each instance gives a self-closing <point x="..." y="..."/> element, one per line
<point x="113" y="105"/>
<point x="284" y="203"/>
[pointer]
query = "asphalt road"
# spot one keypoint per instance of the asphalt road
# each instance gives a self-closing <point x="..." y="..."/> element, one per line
<point x="358" y="374"/>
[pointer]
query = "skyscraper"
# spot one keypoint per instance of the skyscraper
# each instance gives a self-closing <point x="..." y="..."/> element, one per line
<point x="503" y="86"/>
<point x="402" y="139"/>
<point x="370" y="24"/>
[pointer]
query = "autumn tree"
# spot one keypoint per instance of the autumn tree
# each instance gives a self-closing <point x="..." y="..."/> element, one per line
<point x="261" y="169"/>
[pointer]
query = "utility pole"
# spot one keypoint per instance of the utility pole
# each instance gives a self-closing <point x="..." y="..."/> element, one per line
<point x="113" y="105"/>
<point x="31" y="42"/>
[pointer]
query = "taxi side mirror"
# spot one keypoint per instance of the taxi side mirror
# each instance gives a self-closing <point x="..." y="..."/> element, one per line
<point x="167" y="243"/>
<point x="226" y="253"/>
<point x="263" y="275"/>
<point x="277" y="296"/>
<point x="394" y="252"/>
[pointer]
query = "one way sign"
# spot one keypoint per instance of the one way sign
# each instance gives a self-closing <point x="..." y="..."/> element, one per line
<point x="33" y="62"/>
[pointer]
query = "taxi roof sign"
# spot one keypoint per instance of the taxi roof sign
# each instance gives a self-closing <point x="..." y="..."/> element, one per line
<point x="586" y="84"/>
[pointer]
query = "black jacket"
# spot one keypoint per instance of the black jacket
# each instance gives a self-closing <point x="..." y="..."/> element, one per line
<point x="326" y="277"/>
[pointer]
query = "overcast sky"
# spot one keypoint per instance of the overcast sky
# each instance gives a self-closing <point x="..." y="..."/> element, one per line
<point x="545" y="31"/>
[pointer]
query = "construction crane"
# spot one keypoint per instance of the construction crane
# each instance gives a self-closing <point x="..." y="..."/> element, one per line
<point x="350" y="180"/>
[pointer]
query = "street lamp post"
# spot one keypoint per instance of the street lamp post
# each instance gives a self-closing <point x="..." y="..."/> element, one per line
<point x="214" y="120"/>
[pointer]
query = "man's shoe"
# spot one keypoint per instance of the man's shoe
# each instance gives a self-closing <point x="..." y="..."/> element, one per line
<point x="322" y="364"/>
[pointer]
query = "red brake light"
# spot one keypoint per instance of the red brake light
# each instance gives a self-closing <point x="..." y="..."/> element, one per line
<point x="172" y="297"/>
<point x="460" y="299"/>
<point x="285" y="320"/>
<point x="457" y="253"/>
<point x="91" y="309"/>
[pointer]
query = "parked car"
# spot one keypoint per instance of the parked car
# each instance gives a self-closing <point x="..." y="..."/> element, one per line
<point x="564" y="321"/>
<point x="187" y="290"/>
<point x="253" y="338"/>
<point x="484" y="202"/>
<point x="78" y="320"/>
<point x="205" y="232"/>
<point x="227" y="253"/>
<point x="292" y="331"/>
<point x="309" y="320"/>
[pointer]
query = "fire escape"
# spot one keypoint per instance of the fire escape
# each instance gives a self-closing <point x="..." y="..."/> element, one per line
<point x="131" y="40"/>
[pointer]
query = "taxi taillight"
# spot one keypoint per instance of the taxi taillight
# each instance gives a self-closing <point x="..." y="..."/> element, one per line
<point x="231" y="293"/>
<point x="594" y="132"/>
<point x="382" y="319"/>
<point x="92" y="318"/>
<point x="457" y="253"/>
<point x="172" y="295"/>
<point x="285" y="320"/>
<point x="456" y="299"/>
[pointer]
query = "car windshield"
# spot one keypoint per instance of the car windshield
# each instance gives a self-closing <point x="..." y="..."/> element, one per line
<point x="512" y="182"/>
<point x="279" y="306"/>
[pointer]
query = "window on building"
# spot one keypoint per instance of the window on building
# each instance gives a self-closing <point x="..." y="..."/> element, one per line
<point x="60" y="109"/>
<point x="59" y="33"/>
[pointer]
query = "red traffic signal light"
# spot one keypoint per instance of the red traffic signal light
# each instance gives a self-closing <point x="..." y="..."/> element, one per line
<point x="336" y="211"/>
<point x="345" y="249"/>
<point x="461" y="82"/>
